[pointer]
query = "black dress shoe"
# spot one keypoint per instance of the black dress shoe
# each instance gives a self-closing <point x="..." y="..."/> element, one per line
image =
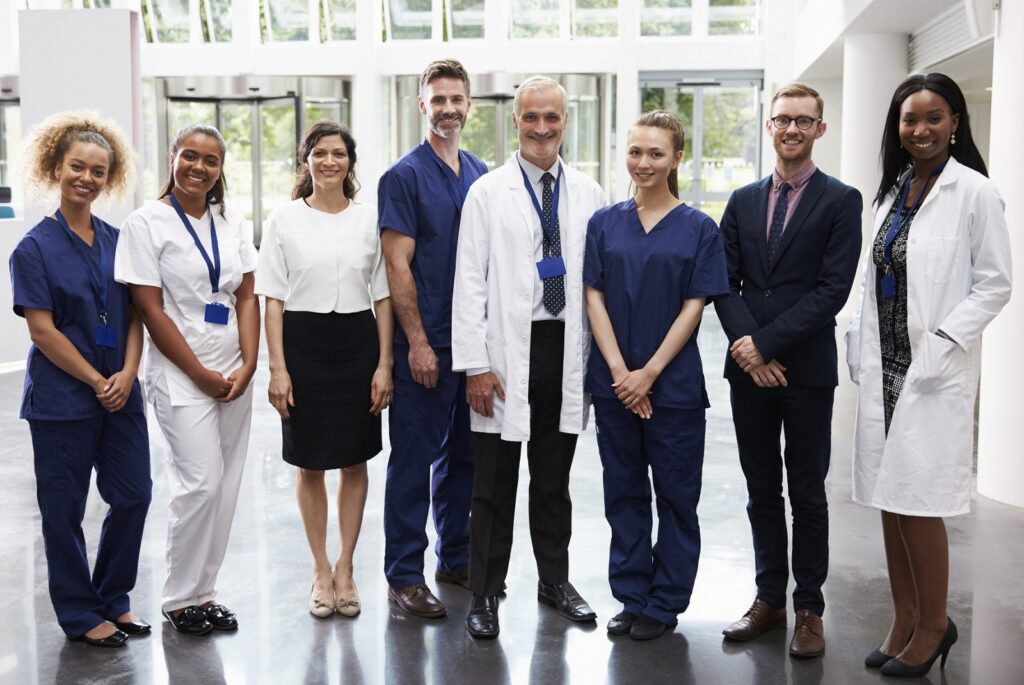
<point x="117" y="639"/>
<point x="220" y="617"/>
<point x="895" y="668"/>
<point x="621" y="623"/>
<point x="133" y="628"/>
<point x="482" y="619"/>
<point x="647" y="628"/>
<point x="566" y="600"/>
<point x="191" y="621"/>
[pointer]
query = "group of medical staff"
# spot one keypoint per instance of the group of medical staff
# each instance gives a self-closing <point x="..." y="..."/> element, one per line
<point x="468" y="302"/>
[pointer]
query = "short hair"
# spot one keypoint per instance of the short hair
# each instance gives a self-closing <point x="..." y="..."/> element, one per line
<point x="50" y="140"/>
<point x="444" y="68"/>
<point x="799" y="90"/>
<point x="539" y="83"/>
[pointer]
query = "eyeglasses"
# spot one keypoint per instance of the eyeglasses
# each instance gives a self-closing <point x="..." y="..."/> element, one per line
<point x="782" y="122"/>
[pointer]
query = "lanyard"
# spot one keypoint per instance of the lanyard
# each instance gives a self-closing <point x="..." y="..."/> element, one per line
<point x="98" y="281"/>
<point x="214" y="266"/>
<point x="548" y="227"/>
<point x="900" y="221"/>
<point x="457" y="193"/>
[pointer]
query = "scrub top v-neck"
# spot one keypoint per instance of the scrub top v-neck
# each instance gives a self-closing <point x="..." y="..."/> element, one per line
<point x="645" y="277"/>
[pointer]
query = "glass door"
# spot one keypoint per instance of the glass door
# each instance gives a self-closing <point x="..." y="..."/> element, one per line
<point x="723" y="134"/>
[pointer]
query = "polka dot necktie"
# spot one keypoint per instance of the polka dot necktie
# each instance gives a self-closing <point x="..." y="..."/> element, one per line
<point x="554" y="287"/>
<point x="778" y="222"/>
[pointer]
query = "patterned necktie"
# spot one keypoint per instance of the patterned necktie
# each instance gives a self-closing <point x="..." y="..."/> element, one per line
<point x="554" y="287"/>
<point x="778" y="221"/>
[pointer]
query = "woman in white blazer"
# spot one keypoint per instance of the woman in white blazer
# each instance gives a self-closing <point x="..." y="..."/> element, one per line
<point x="937" y="273"/>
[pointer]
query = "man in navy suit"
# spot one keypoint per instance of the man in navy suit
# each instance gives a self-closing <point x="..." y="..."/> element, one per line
<point x="792" y="242"/>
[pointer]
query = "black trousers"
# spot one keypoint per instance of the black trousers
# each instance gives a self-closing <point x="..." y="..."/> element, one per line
<point x="496" y="478"/>
<point x="804" y="415"/>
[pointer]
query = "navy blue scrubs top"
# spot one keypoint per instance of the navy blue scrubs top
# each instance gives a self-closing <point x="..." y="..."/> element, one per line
<point x="49" y="270"/>
<point x="421" y="197"/>
<point x="645" y="277"/>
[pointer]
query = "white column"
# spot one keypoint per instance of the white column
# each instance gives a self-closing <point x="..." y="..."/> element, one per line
<point x="873" y="65"/>
<point x="110" y="84"/>
<point x="1001" y="430"/>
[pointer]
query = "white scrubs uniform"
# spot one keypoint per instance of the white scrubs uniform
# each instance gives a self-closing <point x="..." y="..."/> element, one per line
<point x="208" y="439"/>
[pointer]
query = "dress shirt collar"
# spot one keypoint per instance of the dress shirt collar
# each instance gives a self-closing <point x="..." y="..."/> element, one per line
<point x="534" y="172"/>
<point x="797" y="182"/>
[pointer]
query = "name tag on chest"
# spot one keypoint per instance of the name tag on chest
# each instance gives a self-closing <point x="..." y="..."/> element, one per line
<point x="551" y="267"/>
<point x="216" y="313"/>
<point x="106" y="337"/>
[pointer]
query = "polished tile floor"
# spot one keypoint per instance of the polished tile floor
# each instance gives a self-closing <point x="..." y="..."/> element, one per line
<point x="267" y="574"/>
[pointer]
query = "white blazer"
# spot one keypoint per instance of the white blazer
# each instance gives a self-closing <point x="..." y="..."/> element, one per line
<point x="492" y="308"/>
<point x="958" y="279"/>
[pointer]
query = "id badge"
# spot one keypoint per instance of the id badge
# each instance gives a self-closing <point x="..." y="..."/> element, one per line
<point x="550" y="267"/>
<point x="888" y="285"/>
<point x="217" y="313"/>
<point x="106" y="336"/>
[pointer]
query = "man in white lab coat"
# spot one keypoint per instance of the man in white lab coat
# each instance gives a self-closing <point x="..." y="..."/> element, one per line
<point x="520" y="332"/>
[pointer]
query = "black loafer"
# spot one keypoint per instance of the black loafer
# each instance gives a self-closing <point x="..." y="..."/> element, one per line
<point x="191" y="621"/>
<point x="482" y="619"/>
<point x="647" y="628"/>
<point x="566" y="600"/>
<point x="117" y="639"/>
<point x="621" y="623"/>
<point x="221" y="617"/>
<point x="133" y="628"/>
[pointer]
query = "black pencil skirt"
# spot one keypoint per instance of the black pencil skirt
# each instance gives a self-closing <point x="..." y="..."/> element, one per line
<point x="331" y="359"/>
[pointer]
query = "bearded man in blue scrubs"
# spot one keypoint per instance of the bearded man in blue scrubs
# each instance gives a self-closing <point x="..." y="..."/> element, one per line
<point x="419" y="202"/>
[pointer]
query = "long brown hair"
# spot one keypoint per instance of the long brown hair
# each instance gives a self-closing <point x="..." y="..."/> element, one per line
<point x="216" y="194"/>
<point x="659" y="118"/>
<point x="303" y="187"/>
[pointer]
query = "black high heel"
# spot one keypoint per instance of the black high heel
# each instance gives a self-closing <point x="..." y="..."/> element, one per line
<point x="877" y="659"/>
<point x="895" y="668"/>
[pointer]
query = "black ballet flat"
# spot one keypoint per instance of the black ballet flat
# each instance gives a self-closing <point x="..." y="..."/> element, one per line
<point x="221" y="617"/>
<point x="117" y="639"/>
<point x="133" y="628"/>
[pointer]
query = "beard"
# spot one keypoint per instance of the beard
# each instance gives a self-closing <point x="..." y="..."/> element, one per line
<point x="442" y="124"/>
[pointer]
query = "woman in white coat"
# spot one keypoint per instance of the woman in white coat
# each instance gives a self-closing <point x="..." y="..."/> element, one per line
<point x="937" y="273"/>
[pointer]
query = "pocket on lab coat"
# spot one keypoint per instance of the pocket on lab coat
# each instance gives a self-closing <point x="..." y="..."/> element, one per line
<point x="941" y="252"/>
<point x="938" y="364"/>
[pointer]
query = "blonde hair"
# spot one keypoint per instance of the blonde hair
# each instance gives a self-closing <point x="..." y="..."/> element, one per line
<point x="539" y="83"/>
<point x="659" y="118"/>
<point x="48" y="142"/>
<point x="799" y="90"/>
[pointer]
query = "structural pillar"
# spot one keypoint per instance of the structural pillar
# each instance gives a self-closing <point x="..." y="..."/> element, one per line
<point x="873" y="65"/>
<point x="1001" y="430"/>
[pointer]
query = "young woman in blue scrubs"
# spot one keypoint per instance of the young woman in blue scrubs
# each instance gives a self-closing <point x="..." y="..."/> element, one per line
<point x="651" y="263"/>
<point x="82" y="399"/>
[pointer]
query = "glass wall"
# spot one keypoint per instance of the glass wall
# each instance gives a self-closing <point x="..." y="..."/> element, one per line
<point x="10" y="145"/>
<point x="721" y="117"/>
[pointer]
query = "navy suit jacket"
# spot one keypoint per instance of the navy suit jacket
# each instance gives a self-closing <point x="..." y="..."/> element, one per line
<point x="789" y="306"/>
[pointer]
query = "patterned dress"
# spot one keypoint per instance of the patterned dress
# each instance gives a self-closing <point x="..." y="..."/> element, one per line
<point x="892" y="313"/>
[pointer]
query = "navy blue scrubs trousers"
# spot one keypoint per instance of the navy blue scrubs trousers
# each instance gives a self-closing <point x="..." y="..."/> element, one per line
<point x="804" y="413"/>
<point x="654" y="581"/>
<point x="431" y="464"/>
<point x="117" y="446"/>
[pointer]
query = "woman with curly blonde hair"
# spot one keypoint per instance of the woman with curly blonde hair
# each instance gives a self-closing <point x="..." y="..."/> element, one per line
<point x="82" y="400"/>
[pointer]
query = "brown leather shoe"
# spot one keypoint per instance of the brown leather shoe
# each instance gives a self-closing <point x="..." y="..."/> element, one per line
<point x="417" y="600"/>
<point x="808" y="636"/>
<point x="759" y="618"/>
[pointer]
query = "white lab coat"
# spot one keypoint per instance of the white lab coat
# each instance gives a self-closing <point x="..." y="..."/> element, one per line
<point x="492" y="308"/>
<point x="958" y="279"/>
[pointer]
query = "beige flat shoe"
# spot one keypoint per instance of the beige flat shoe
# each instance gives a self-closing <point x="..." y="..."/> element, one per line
<point x="317" y="606"/>
<point x="348" y="606"/>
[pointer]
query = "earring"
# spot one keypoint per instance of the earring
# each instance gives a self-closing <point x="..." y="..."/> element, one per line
<point x="952" y="139"/>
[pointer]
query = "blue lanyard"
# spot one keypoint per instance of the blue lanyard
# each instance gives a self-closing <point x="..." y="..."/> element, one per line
<point x="456" y="193"/>
<point x="547" y="226"/>
<point x="214" y="266"/>
<point x="98" y="281"/>
<point x="899" y="222"/>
